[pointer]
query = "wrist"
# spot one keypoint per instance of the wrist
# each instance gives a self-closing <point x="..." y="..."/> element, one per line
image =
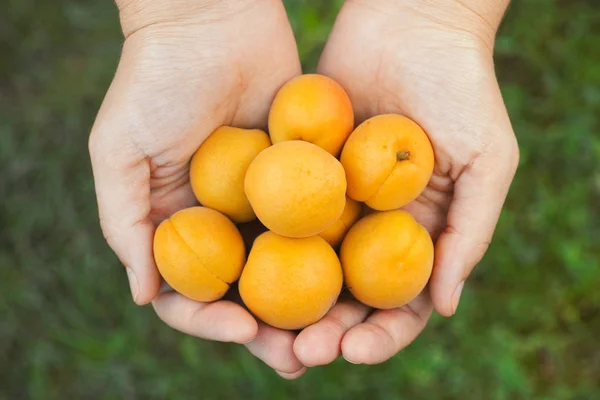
<point x="480" y="18"/>
<point x="137" y="14"/>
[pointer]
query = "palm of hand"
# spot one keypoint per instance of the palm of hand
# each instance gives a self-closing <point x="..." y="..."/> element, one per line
<point x="174" y="87"/>
<point x="444" y="80"/>
<point x="176" y="83"/>
<point x="430" y="75"/>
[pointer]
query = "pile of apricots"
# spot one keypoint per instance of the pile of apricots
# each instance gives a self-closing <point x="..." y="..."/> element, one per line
<point x="328" y="197"/>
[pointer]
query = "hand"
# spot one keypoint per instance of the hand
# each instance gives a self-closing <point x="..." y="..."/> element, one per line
<point x="187" y="67"/>
<point x="431" y="61"/>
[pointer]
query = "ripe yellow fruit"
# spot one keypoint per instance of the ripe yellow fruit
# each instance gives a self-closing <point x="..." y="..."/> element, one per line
<point x="296" y="188"/>
<point x="387" y="258"/>
<point x="388" y="161"/>
<point x="290" y="283"/>
<point x="313" y="108"/>
<point x="199" y="252"/>
<point x="336" y="232"/>
<point x="219" y="166"/>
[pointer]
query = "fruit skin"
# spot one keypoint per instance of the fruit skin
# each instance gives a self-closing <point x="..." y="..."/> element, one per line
<point x="199" y="252"/>
<point x="219" y="166"/>
<point x="314" y="108"/>
<point x="375" y="170"/>
<point x="336" y="232"/>
<point x="290" y="283"/>
<point x="387" y="258"/>
<point x="296" y="188"/>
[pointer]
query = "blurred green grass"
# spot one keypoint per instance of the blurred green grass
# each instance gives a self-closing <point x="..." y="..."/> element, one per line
<point x="530" y="316"/>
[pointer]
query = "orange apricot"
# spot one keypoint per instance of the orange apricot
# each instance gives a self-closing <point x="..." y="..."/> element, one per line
<point x="219" y="166"/>
<point x="290" y="283"/>
<point x="336" y="232"/>
<point x="387" y="258"/>
<point x="296" y="188"/>
<point x="388" y="161"/>
<point x="313" y="108"/>
<point x="199" y="252"/>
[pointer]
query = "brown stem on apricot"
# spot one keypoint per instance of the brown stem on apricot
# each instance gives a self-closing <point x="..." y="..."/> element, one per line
<point x="402" y="155"/>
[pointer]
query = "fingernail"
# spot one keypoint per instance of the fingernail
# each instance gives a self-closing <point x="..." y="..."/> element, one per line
<point x="351" y="362"/>
<point x="133" y="283"/>
<point x="456" y="296"/>
<point x="291" y="375"/>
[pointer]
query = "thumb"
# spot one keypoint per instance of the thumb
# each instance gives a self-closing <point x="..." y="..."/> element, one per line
<point x="122" y="182"/>
<point x="479" y="195"/>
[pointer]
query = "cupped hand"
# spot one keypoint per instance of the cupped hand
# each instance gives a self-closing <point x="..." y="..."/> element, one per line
<point x="431" y="61"/>
<point x="186" y="68"/>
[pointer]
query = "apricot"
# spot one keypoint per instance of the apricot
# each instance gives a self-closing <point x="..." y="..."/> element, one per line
<point x="388" y="161"/>
<point x="313" y="108"/>
<point x="387" y="258"/>
<point x="219" y="166"/>
<point x="296" y="188"/>
<point x="199" y="252"/>
<point x="290" y="283"/>
<point x="336" y="232"/>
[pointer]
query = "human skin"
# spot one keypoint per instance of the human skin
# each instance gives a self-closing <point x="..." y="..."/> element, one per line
<point x="186" y="68"/>
<point x="436" y="67"/>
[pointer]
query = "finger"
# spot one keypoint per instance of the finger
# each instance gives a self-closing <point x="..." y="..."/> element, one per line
<point x="292" y="376"/>
<point x="320" y="343"/>
<point x="479" y="195"/>
<point x="275" y="348"/>
<point x="385" y="332"/>
<point x="121" y="178"/>
<point x="222" y="321"/>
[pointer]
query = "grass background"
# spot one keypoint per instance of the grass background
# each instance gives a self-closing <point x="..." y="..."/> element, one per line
<point x="529" y="320"/>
